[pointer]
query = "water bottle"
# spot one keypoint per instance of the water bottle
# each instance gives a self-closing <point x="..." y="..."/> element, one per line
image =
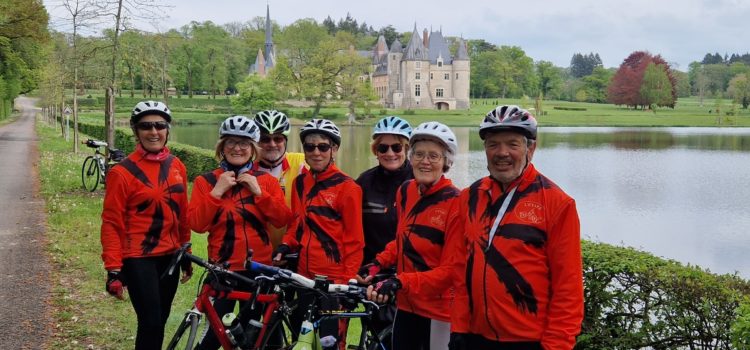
<point x="233" y="328"/>
<point x="306" y="338"/>
<point x="251" y="331"/>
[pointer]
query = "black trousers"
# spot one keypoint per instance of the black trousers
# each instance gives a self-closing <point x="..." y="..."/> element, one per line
<point x="151" y="297"/>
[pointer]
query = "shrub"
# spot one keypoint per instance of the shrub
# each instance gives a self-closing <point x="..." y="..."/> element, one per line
<point x="562" y="108"/>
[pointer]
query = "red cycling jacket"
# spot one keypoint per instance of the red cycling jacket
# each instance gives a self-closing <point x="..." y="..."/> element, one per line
<point x="327" y="228"/>
<point x="425" y="250"/>
<point x="145" y="209"/>
<point x="528" y="285"/>
<point x="239" y="220"/>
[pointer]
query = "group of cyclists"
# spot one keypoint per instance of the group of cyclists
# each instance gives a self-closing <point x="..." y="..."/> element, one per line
<point x="494" y="266"/>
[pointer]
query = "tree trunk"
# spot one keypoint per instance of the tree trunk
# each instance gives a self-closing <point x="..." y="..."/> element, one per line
<point x="109" y="109"/>
<point x="318" y="104"/>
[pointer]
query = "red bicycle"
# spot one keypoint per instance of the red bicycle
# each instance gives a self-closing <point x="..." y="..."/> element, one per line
<point x="234" y="335"/>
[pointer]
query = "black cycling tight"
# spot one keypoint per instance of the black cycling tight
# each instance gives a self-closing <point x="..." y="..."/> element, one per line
<point x="151" y="297"/>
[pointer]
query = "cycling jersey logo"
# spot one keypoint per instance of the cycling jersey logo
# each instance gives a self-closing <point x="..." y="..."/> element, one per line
<point x="328" y="197"/>
<point x="437" y="217"/>
<point x="530" y="212"/>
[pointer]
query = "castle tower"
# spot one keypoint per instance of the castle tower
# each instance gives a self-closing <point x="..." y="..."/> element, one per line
<point x="394" y="74"/>
<point x="415" y="67"/>
<point x="270" y="51"/>
<point x="461" y="76"/>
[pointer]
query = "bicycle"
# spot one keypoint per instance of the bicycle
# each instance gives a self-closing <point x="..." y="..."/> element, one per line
<point x="234" y="336"/>
<point x="95" y="167"/>
<point x="308" y="338"/>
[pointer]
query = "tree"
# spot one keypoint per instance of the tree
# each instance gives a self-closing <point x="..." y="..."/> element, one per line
<point x="549" y="78"/>
<point x="506" y="72"/>
<point x="389" y="33"/>
<point x="583" y="65"/>
<point x="255" y="93"/>
<point x="625" y="88"/>
<point x="656" y="89"/>
<point x="596" y="83"/>
<point x="23" y="36"/>
<point x="739" y="90"/>
<point x="477" y="46"/>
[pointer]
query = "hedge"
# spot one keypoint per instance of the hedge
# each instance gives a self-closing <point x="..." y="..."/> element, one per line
<point x="633" y="300"/>
<point x="197" y="160"/>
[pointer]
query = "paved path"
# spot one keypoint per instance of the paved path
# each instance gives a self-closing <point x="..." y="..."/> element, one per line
<point x="24" y="263"/>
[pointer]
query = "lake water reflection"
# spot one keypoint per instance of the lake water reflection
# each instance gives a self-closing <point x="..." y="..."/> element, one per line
<point x="680" y="193"/>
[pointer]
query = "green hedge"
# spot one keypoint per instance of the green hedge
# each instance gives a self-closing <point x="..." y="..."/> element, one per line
<point x="561" y="108"/>
<point x="634" y="300"/>
<point x="197" y="160"/>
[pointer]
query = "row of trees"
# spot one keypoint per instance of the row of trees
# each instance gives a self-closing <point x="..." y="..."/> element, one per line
<point x="23" y="38"/>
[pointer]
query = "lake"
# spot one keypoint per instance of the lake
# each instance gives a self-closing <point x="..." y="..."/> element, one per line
<point x="679" y="193"/>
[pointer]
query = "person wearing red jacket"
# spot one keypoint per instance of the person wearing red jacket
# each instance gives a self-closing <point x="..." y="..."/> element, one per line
<point x="144" y="221"/>
<point x="520" y="284"/>
<point x="327" y="229"/>
<point x="425" y="250"/>
<point x="235" y="204"/>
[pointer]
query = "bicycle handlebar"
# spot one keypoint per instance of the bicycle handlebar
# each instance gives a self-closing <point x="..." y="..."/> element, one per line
<point x="316" y="284"/>
<point x="216" y="269"/>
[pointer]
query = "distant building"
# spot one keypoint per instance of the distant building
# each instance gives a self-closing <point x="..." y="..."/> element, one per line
<point x="421" y="75"/>
<point x="265" y="60"/>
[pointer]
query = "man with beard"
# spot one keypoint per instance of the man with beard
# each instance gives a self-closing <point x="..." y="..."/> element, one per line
<point x="520" y="285"/>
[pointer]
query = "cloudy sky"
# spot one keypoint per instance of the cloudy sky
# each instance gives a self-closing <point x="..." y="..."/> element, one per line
<point x="681" y="31"/>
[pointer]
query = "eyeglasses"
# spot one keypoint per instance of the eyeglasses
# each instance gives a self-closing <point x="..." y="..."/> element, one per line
<point x="310" y="147"/>
<point x="274" y="138"/>
<point x="244" y="144"/>
<point x="396" y="147"/>
<point x="145" y="126"/>
<point x="431" y="157"/>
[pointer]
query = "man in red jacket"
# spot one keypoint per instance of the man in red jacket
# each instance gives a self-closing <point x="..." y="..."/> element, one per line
<point x="520" y="285"/>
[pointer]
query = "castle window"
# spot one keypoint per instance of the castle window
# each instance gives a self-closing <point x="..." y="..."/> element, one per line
<point x="438" y="92"/>
<point x="418" y="65"/>
<point x="447" y="76"/>
<point x="456" y="76"/>
<point x="430" y="76"/>
<point x="440" y="63"/>
<point x="393" y="58"/>
<point x="417" y="75"/>
<point x="417" y="91"/>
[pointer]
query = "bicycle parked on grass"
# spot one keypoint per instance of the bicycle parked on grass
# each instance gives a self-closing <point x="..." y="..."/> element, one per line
<point x="95" y="167"/>
<point x="273" y="331"/>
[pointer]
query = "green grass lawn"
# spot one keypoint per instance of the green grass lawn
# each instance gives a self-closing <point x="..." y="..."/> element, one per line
<point x="688" y="112"/>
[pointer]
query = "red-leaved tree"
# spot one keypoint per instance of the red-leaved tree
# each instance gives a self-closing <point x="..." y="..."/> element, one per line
<point x="625" y="87"/>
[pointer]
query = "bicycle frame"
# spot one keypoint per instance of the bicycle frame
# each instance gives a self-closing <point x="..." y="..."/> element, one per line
<point x="203" y="303"/>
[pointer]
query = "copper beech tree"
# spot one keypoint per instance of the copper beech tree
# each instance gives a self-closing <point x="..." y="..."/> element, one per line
<point x="627" y="85"/>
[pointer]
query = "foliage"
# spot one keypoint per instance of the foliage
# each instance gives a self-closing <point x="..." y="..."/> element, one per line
<point x="505" y="72"/>
<point x="23" y="36"/>
<point x="583" y="65"/>
<point x="739" y="90"/>
<point x="625" y="87"/>
<point x="656" y="87"/>
<point x="255" y="93"/>
<point x="741" y="327"/>
<point x="596" y="84"/>
<point x="550" y="79"/>
<point x="635" y="300"/>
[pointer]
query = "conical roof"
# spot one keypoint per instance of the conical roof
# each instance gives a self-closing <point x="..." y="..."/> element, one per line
<point x="462" y="53"/>
<point x="396" y="46"/>
<point x="415" y="50"/>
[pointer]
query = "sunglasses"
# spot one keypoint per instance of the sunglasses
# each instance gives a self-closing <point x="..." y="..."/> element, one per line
<point x="396" y="147"/>
<point x="275" y="139"/>
<point x="145" y="126"/>
<point x="310" y="147"/>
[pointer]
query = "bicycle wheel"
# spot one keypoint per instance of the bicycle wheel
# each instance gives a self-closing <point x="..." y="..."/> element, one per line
<point x="191" y="323"/>
<point x="90" y="173"/>
<point x="278" y="335"/>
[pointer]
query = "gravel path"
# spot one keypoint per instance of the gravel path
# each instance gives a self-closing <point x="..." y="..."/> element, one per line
<point x="24" y="262"/>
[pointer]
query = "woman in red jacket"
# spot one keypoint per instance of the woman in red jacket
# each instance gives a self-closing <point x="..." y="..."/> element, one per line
<point x="235" y="204"/>
<point x="423" y="252"/>
<point x="144" y="221"/>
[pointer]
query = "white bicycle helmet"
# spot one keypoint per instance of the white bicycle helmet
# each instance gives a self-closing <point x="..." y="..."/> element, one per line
<point x="509" y="117"/>
<point x="149" y="107"/>
<point x="272" y="122"/>
<point x="240" y="125"/>
<point x="435" y="131"/>
<point x="321" y="126"/>
<point x="392" y="125"/>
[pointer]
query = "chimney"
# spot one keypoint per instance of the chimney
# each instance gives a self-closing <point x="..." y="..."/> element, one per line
<point x="425" y="38"/>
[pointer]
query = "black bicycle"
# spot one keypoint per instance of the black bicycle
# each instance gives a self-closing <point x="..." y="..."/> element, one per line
<point x="95" y="167"/>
